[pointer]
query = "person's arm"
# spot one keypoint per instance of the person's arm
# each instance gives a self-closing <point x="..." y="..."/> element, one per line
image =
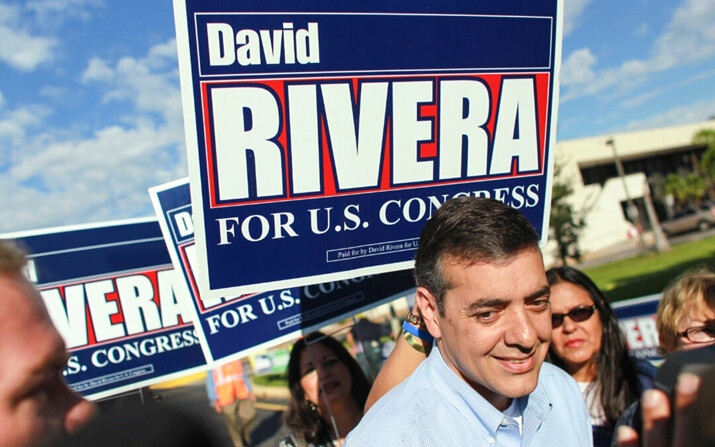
<point x="403" y="359"/>
<point x="657" y="415"/>
<point x="211" y="391"/>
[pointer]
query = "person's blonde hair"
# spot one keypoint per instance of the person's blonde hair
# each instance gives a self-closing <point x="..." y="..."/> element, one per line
<point x="692" y="290"/>
<point x="12" y="258"/>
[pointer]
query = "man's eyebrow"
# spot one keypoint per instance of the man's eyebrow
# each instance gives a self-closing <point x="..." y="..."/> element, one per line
<point x="488" y="302"/>
<point x="544" y="291"/>
<point x="500" y="302"/>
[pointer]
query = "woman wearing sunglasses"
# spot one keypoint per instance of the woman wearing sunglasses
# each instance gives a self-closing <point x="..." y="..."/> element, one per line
<point x="588" y="343"/>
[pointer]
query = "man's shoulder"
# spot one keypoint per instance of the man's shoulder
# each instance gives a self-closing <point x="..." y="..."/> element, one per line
<point x="552" y="370"/>
<point x="400" y="413"/>
<point x="558" y="397"/>
<point x="558" y="384"/>
<point x="414" y="388"/>
<point x="553" y="375"/>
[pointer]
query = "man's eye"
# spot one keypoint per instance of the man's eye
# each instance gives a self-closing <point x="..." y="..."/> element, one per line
<point x="486" y="316"/>
<point x="540" y="304"/>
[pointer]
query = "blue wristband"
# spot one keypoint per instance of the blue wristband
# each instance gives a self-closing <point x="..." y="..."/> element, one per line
<point x="422" y="335"/>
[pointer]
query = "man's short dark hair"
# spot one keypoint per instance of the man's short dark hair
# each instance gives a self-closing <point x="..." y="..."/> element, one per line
<point x="469" y="230"/>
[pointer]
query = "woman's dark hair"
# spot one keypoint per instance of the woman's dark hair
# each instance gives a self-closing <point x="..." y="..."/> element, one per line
<point x="305" y="422"/>
<point x="616" y="376"/>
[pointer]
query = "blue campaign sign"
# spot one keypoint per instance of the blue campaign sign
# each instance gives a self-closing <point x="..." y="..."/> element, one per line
<point x="233" y="327"/>
<point x="637" y="317"/>
<point x="322" y="135"/>
<point x="113" y="295"/>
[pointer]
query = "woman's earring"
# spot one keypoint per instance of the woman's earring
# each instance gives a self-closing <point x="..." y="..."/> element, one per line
<point x="312" y="406"/>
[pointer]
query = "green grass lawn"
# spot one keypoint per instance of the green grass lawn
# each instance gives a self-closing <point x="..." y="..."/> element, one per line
<point x="652" y="272"/>
<point x="271" y="380"/>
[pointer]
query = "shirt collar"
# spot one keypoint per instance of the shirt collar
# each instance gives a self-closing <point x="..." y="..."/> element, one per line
<point x="534" y="407"/>
<point x="460" y="394"/>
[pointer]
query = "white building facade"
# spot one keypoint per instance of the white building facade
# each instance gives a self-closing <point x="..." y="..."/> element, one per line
<point x="602" y="196"/>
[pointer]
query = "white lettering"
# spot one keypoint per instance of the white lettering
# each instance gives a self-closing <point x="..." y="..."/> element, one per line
<point x="246" y="120"/>
<point x="174" y="298"/>
<point x="136" y="293"/>
<point x="249" y="51"/>
<point x="308" y="44"/>
<point x="516" y="134"/>
<point x="70" y="317"/>
<point x="356" y="152"/>
<point x="184" y="224"/>
<point x="284" y="45"/>
<point x="409" y="131"/>
<point x="632" y="334"/>
<point x="463" y="112"/>
<point x="220" y="36"/>
<point x="252" y="164"/>
<point x="271" y="47"/>
<point x="224" y="229"/>
<point x="101" y="310"/>
<point x="304" y="141"/>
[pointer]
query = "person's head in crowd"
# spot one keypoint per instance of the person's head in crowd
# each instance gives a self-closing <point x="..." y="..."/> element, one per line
<point x="482" y="292"/>
<point x="325" y="381"/>
<point x="587" y="342"/>
<point x="704" y="416"/>
<point x="136" y="424"/>
<point x="683" y="417"/>
<point x="35" y="402"/>
<point x="686" y="313"/>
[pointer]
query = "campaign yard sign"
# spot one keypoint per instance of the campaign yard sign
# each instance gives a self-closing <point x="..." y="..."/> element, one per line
<point x="113" y="295"/>
<point x="637" y="318"/>
<point x="322" y="135"/>
<point x="233" y="327"/>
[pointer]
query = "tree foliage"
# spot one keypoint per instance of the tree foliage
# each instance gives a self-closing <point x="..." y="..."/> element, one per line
<point x="564" y="224"/>
<point x="685" y="190"/>
<point x="695" y="187"/>
<point x="706" y="137"/>
<point x="675" y="186"/>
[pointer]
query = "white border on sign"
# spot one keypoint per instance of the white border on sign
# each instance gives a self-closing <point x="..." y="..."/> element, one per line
<point x="196" y="186"/>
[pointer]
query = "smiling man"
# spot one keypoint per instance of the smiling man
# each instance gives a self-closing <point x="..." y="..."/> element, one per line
<point x="483" y="295"/>
<point x="35" y="402"/>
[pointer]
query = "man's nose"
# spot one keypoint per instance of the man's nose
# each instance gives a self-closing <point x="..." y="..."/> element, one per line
<point x="520" y="330"/>
<point x="77" y="410"/>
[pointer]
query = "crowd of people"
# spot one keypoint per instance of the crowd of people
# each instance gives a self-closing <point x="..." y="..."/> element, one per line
<point x="496" y="351"/>
<point x="422" y="395"/>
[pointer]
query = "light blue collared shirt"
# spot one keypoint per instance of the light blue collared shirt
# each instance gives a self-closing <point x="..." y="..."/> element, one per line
<point x="435" y="407"/>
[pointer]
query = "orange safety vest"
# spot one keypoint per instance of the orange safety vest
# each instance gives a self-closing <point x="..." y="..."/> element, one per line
<point x="229" y="383"/>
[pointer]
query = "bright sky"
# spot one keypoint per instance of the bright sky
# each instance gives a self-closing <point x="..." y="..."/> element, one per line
<point x="90" y="113"/>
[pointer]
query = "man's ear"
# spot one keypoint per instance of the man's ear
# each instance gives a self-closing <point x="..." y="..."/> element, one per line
<point x="429" y="310"/>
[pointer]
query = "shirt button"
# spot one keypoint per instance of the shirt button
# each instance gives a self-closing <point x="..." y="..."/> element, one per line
<point x="491" y="440"/>
<point x="505" y="421"/>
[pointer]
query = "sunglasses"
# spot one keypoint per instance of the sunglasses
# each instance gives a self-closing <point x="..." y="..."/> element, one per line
<point x="577" y="315"/>
<point x="700" y="334"/>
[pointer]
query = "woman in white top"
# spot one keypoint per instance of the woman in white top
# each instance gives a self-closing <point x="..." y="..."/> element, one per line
<point x="588" y="343"/>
